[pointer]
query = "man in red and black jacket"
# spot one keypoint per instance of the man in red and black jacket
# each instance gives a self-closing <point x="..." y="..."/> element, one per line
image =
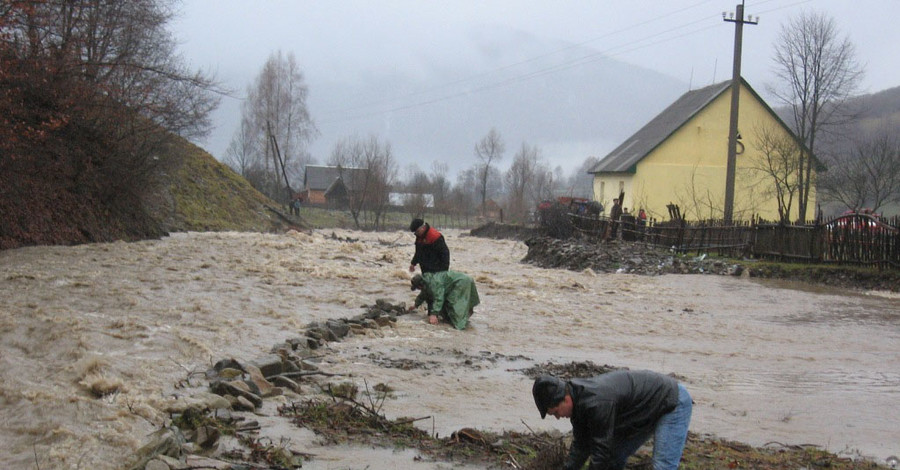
<point x="432" y="254"/>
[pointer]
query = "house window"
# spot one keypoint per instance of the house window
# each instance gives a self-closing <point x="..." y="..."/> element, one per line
<point x="602" y="189"/>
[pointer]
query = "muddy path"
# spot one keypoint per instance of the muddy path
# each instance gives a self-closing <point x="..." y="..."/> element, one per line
<point x="765" y="360"/>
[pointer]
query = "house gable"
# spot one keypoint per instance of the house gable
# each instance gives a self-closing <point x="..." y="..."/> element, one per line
<point x="680" y="158"/>
<point x="625" y="157"/>
<point x="317" y="181"/>
<point x="319" y="178"/>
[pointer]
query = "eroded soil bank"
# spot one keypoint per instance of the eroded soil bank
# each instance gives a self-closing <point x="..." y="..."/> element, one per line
<point x="766" y="361"/>
<point x="614" y="256"/>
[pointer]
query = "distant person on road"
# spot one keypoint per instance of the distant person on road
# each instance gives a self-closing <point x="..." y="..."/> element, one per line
<point x="615" y="413"/>
<point x="595" y="209"/>
<point x="615" y="212"/>
<point x="432" y="254"/>
<point x="449" y="295"/>
<point x="641" y="223"/>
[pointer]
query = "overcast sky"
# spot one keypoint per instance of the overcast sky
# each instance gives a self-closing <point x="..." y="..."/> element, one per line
<point x="347" y="40"/>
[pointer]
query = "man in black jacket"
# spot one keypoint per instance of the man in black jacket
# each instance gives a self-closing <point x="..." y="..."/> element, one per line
<point x="615" y="413"/>
<point x="432" y="254"/>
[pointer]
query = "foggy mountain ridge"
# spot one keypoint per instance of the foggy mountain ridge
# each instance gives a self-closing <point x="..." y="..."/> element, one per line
<point x="884" y="104"/>
<point x="882" y="107"/>
<point x="871" y="112"/>
<point x="436" y="109"/>
<point x="571" y="101"/>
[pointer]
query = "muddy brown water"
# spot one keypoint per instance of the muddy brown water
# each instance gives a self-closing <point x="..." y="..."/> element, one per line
<point x="766" y="361"/>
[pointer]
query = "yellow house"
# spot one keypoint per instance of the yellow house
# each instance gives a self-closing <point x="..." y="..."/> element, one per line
<point x="679" y="159"/>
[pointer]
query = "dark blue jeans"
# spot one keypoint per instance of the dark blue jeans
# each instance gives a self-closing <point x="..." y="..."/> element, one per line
<point x="669" y="436"/>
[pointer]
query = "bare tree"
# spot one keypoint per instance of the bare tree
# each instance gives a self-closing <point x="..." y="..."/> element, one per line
<point x="471" y="181"/>
<point x="111" y="90"/>
<point x="276" y="118"/>
<point x="780" y="164"/>
<point x="125" y="49"/>
<point x="461" y="202"/>
<point x="698" y="202"/>
<point x="871" y="174"/>
<point x="466" y="191"/>
<point x="440" y="185"/>
<point x="418" y="186"/>
<point x="348" y="156"/>
<point x="581" y="183"/>
<point x="370" y="185"/>
<point x="383" y="169"/>
<point x="521" y="181"/>
<point x="818" y="71"/>
<point x="489" y="151"/>
<point x="545" y="183"/>
<point x="242" y="149"/>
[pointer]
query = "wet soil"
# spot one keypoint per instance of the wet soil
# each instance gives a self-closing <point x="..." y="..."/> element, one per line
<point x="342" y="419"/>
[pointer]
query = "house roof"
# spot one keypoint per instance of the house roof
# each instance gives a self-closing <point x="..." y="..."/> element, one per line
<point x="320" y="178"/>
<point x="626" y="156"/>
<point x="399" y="199"/>
<point x="635" y="148"/>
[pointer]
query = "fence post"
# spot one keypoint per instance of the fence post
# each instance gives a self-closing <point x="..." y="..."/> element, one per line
<point x="703" y="237"/>
<point x="815" y="241"/>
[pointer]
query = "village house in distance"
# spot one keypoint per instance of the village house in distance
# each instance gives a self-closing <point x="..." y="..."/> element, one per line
<point x="679" y="158"/>
<point x="332" y="185"/>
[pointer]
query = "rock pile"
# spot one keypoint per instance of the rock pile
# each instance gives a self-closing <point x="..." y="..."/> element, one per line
<point x="238" y="385"/>
<point x="613" y="256"/>
<point x="578" y="253"/>
<point x="616" y="256"/>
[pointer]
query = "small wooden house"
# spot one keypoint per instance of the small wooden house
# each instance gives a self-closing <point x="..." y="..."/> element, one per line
<point x="324" y="185"/>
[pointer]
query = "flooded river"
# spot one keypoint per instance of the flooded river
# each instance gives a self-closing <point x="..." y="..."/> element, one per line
<point x="766" y="362"/>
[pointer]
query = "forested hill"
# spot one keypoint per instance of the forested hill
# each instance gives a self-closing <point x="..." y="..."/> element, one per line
<point x="867" y="110"/>
<point x="877" y="110"/>
<point x="881" y="105"/>
<point x="193" y="191"/>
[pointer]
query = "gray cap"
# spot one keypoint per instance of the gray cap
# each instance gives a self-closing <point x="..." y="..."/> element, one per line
<point x="548" y="391"/>
<point x="417" y="282"/>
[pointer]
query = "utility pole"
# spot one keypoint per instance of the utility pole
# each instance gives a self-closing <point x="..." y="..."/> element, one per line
<point x="739" y="21"/>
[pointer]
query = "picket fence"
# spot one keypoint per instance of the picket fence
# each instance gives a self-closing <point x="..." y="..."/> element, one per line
<point x="857" y="239"/>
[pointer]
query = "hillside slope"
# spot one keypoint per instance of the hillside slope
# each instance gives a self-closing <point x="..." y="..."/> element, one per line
<point x="192" y="192"/>
<point x="203" y="194"/>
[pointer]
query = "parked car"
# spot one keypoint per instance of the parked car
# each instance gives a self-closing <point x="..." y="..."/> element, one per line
<point x="863" y="223"/>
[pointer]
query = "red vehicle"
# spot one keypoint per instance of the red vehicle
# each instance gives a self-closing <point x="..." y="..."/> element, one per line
<point x="852" y="224"/>
<point x="572" y="205"/>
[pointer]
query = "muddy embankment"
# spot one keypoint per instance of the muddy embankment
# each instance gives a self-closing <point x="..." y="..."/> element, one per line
<point x="616" y="256"/>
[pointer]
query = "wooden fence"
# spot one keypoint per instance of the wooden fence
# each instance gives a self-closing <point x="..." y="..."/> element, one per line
<point x="859" y="239"/>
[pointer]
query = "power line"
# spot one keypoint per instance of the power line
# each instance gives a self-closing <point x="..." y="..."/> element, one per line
<point x="621" y="49"/>
<point x="550" y="69"/>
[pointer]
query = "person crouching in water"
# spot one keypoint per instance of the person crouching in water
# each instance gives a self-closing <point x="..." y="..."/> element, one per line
<point x="613" y="414"/>
<point x="449" y="295"/>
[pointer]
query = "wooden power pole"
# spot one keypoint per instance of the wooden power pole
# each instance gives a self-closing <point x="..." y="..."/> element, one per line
<point x="739" y="21"/>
